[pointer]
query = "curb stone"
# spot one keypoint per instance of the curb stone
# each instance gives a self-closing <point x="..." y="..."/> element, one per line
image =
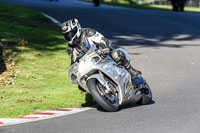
<point x="43" y="115"/>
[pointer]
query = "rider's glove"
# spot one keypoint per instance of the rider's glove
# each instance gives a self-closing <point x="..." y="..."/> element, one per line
<point x="106" y="51"/>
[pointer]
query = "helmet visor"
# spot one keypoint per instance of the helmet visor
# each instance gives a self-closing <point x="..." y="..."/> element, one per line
<point x="69" y="35"/>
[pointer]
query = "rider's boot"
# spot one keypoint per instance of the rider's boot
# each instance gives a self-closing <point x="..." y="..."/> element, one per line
<point x="120" y="57"/>
<point x="135" y="73"/>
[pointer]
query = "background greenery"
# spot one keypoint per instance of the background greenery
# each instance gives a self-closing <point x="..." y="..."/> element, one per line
<point x="133" y="4"/>
<point x="37" y="62"/>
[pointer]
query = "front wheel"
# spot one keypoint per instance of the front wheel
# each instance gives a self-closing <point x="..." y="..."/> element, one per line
<point x="109" y="102"/>
<point x="146" y="94"/>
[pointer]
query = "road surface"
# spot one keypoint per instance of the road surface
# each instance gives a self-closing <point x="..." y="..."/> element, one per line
<point x="164" y="45"/>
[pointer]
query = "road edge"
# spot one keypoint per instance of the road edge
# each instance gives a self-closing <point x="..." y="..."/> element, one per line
<point x="49" y="114"/>
<point x="52" y="19"/>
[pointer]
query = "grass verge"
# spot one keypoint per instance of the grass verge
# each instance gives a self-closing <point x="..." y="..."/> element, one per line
<point x="126" y="3"/>
<point x="37" y="65"/>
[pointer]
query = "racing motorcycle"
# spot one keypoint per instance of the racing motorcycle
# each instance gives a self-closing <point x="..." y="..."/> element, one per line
<point x="109" y="83"/>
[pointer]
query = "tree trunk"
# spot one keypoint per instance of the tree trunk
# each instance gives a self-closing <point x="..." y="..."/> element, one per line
<point x="178" y="5"/>
<point x="2" y="62"/>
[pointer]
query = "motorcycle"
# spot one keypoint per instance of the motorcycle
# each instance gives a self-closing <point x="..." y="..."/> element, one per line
<point x="109" y="83"/>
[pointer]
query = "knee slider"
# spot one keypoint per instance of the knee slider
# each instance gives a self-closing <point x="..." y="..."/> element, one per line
<point x="119" y="56"/>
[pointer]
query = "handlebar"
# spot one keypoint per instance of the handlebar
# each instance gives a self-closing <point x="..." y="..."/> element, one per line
<point x="103" y="52"/>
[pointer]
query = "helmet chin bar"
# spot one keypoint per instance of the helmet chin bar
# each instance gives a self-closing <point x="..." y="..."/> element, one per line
<point x="71" y="30"/>
<point x="75" y="39"/>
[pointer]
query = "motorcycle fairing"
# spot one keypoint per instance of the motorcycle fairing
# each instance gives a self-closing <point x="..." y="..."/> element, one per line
<point x="91" y="63"/>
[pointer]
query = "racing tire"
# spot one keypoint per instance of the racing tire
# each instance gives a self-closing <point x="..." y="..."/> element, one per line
<point x="100" y="99"/>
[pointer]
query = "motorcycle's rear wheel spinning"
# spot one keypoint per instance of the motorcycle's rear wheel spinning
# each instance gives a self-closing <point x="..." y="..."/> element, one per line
<point x="109" y="102"/>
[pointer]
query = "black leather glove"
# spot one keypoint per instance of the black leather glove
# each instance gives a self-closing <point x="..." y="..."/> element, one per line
<point x="106" y="51"/>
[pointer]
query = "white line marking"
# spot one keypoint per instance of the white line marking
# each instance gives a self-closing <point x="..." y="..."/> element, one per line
<point x="53" y="19"/>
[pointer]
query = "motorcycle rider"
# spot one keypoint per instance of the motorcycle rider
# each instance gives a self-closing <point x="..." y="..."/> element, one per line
<point x="78" y="39"/>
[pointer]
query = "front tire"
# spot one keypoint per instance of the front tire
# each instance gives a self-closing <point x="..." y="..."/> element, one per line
<point x="146" y="94"/>
<point x="101" y="99"/>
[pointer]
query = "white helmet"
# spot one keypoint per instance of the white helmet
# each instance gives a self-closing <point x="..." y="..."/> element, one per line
<point x="71" y="30"/>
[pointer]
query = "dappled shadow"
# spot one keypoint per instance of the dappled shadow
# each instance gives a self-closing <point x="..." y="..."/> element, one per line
<point x="7" y="50"/>
<point x="145" y="28"/>
<point x="173" y="41"/>
<point x="155" y="38"/>
<point x="40" y="35"/>
<point x="146" y="38"/>
<point x="138" y="28"/>
<point x="131" y="27"/>
<point x="2" y="62"/>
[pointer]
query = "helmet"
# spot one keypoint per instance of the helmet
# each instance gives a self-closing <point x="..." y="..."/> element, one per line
<point x="71" y="30"/>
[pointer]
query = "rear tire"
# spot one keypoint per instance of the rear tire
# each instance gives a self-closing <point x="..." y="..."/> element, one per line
<point x="146" y="95"/>
<point x="101" y="99"/>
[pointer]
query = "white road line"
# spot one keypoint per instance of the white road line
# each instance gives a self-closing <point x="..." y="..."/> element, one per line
<point x="53" y="19"/>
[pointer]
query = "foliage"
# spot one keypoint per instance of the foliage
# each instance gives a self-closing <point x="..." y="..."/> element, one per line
<point x="133" y="4"/>
<point x="36" y="52"/>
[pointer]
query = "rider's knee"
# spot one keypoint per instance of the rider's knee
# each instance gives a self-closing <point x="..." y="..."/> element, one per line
<point x="120" y="56"/>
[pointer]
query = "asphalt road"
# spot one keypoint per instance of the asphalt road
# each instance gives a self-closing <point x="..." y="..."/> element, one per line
<point x="164" y="45"/>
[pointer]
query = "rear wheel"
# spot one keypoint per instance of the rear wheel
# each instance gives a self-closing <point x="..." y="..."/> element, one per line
<point x="146" y="94"/>
<point x="107" y="101"/>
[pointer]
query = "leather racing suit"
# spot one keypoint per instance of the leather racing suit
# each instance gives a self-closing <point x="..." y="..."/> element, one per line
<point x="91" y="36"/>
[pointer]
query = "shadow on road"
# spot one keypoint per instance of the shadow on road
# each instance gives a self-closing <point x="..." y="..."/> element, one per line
<point x="143" y="29"/>
<point x="127" y="27"/>
<point x="133" y="105"/>
<point x="88" y="100"/>
<point x="126" y="106"/>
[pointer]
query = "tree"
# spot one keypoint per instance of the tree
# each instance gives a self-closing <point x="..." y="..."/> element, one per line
<point x="2" y="63"/>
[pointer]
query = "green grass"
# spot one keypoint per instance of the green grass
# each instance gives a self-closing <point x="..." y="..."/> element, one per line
<point x="126" y="3"/>
<point x="42" y="81"/>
